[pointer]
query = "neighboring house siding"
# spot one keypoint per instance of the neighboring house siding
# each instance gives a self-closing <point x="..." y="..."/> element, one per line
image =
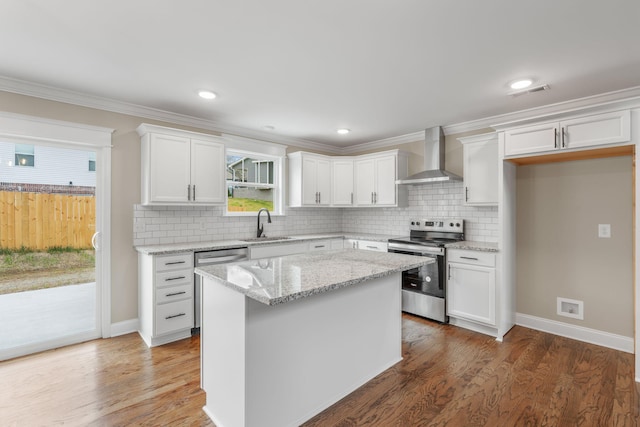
<point x="54" y="166"/>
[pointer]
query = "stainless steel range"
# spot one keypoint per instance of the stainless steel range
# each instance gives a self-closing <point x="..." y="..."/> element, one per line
<point x="424" y="289"/>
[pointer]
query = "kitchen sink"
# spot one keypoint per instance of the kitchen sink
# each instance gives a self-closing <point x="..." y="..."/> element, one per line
<point x="265" y="239"/>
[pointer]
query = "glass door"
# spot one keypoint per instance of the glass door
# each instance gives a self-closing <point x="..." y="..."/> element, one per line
<point x="50" y="287"/>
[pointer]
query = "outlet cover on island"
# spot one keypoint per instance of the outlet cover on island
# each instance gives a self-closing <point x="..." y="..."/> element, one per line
<point x="604" y="231"/>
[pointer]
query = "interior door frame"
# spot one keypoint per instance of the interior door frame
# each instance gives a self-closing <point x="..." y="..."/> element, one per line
<point x="18" y="128"/>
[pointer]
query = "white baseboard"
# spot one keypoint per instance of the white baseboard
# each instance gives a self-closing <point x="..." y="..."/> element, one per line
<point x="124" y="327"/>
<point x="592" y="336"/>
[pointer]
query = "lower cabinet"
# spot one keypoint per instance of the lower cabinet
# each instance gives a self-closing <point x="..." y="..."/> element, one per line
<point x="366" y="245"/>
<point x="471" y="287"/>
<point x="165" y="297"/>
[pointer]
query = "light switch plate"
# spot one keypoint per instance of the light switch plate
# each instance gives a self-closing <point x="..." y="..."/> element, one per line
<point x="604" y="231"/>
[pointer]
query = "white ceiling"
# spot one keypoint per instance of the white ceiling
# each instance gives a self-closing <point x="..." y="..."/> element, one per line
<point x="381" y="68"/>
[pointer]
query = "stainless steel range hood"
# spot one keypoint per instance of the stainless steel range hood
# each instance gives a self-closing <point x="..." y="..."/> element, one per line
<point x="433" y="161"/>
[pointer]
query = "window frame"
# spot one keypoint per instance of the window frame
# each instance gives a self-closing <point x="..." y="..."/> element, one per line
<point x="277" y="186"/>
<point x="17" y="152"/>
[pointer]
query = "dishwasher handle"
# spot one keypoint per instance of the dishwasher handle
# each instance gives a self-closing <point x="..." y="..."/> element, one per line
<point x="220" y="259"/>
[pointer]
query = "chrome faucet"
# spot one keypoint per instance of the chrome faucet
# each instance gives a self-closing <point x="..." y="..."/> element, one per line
<point x="260" y="227"/>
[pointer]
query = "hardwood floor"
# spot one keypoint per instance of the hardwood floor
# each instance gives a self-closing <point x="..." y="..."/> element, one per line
<point x="449" y="376"/>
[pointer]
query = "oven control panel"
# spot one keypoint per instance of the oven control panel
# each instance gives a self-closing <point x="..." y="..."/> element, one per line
<point x="448" y="225"/>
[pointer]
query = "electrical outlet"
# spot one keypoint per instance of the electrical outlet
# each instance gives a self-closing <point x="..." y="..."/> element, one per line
<point x="604" y="231"/>
<point x="570" y="308"/>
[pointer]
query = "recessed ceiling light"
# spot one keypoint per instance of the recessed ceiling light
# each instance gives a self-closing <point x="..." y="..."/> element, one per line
<point x="207" y="94"/>
<point x="268" y="127"/>
<point x="343" y="131"/>
<point x="521" y="84"/>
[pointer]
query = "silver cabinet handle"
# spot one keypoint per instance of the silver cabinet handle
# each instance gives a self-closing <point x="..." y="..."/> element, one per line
<point x="194" y="192"/>
<point x="449" y="272"/>
<point x="174" y="278"/>
<point x="372" y="197"/>
<point x="316" y="197"/>
<point x="563" y="133"/>
<point x="466" y="194"/>
<point x="555" y="138"/>
<point x="319" y="246"/>
<point x="375" y="197"/>
<point x="174" y="262"/>
<point x="319" y="197"/>
<point x="468" y="257"/>
<point x="175" y="315"/>
<point x="173" y="294"/>
<point x="372" y="247"/>
<point x="413" y="285"/>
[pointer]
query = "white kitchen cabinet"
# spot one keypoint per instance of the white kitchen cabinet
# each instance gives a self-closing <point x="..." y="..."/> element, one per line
<point x="375" y="179"/>
<point x="325" y="244"/>
<point x="181" y="168"/>
<point x="471" y="286"/>
<point x="342" y="175"/>
<point x="365" y="245"/>
<point x="480" y="163"/>
<point x="277" y="249"/>
<point x="165" y="297"/>
<point x="569" y="134"/>
<point x="309" y="179"/>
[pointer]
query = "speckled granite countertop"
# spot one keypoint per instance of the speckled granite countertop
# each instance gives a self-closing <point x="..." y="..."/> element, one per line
<point x="228" y="244"/>
<point x="474" y="246"/>
<point x="278" y="280"/>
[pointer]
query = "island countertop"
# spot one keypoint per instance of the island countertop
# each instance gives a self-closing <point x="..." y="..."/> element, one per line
<point x="278" y="280"/>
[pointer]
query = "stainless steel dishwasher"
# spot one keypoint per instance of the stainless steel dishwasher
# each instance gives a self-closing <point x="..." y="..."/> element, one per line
<point x="204" y="258"/>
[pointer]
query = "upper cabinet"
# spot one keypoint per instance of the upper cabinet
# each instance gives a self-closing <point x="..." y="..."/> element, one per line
<point x="181" y="168"/>
<point x="376" y="180"/>
<point x="367" y="180"/>
<point x="480" y="162"/>
<point x="575" y="133"/>
<point x="309" y="179"/>
<point x="342" y="170"/>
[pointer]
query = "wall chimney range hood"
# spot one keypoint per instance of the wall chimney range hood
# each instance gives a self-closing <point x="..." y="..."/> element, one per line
<point x="434" y="149"/>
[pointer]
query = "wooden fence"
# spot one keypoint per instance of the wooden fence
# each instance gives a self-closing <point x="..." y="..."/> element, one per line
<point x="40" y="221"/>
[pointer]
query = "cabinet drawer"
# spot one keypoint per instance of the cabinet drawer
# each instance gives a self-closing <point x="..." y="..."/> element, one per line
<point x="172" y="262"/>
<point x="174" y="293"/>
<point x="486" y="259"/>
<point x="368" y="245"/>
<point x="324" y="245"/>
<point x="174" y="278"/>
<point x="174" y="316"/>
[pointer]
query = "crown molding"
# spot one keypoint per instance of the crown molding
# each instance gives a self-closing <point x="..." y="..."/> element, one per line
<point x="624" y="98"/>
<point x="383" y="143"/>
<point x="50" y="93"/>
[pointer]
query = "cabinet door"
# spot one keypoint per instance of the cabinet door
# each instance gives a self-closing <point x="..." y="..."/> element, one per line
<point x="207" y="172"/>
<point x="323" y="182"/>
<point x="481" y="173"/>
<point x="342" y="182"/>
<point x="471" y="293"/>
<point x="531" y="139"/>
<point x="599" y="129"/>
<point x="385" y="192"/>
<point x="169" y="168"/>
<point x="309" y="181"/>
<point x="365" y="181"/>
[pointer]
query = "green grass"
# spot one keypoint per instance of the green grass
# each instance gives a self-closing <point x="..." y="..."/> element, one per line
<point x="248" y="205"/>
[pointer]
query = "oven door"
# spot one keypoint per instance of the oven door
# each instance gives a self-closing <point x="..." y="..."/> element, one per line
<point x="426" y="279"/>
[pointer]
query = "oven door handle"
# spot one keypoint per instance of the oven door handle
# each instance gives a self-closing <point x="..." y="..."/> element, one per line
<point x="417" y="251"/>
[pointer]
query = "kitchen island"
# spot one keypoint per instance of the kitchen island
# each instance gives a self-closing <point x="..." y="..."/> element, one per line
<point x="284" y="338"/>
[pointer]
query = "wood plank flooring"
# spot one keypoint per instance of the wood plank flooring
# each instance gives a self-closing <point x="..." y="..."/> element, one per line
<point x="449" y="377"/>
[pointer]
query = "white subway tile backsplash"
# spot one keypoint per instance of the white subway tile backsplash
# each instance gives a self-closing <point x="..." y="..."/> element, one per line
<point x="184" y="224"/>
